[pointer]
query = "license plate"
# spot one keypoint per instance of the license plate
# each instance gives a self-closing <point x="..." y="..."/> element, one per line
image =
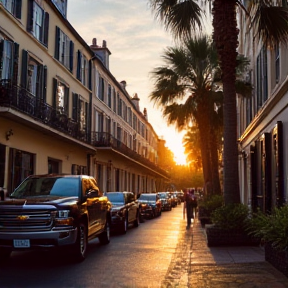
<point x="21" y="243"/>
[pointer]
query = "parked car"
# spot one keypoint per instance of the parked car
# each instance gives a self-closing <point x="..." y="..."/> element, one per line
<point x="150" y="205"/>
<point x="165" y="201"/>
<point x="173" y="199"/>
<point x="54" y="211"/>
<point x="125" y="210"/>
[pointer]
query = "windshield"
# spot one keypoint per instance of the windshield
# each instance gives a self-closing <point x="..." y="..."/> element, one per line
<point x="147" y="197"/>
<point x="44" y="186"/>
<point x="163" y="195"/>
<point x="115" y="198"/>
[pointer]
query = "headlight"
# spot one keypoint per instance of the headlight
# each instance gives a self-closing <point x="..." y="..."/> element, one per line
<point x="62" y="218"/>
<point x="62" y="214"/>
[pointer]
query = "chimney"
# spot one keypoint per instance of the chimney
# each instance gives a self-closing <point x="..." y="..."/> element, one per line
<point x="94" y="42"/>
<point x="145" y="114"/>
<point x="136" y="100"/>
<point x="123" y="84"/>
<point x="104" y="45"/>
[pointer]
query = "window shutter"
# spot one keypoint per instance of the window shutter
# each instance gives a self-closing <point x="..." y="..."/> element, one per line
<point x="46" y="29"/>
<point x="78" y="75"/>
<point x="30" y="19"/>
<point x="57" y="42"/>
<point x="44" y="93"/>
<point x="75" y="107"/>
<point x="87" y="115"/>
<point x="18" y="4"/>
<point x="71" y="56"/>
<point x="24" y="70"/>
<point x="54" y="92"/>
<point x="90" y="75"/>
<point x="15" y="63"/>
<point x="66" y="101"/>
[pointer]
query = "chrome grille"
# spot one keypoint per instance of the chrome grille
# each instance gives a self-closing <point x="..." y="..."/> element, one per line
<point x="13" y="220"/>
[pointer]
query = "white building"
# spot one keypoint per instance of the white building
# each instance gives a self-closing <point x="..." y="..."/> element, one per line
<point x="263" y="123"/>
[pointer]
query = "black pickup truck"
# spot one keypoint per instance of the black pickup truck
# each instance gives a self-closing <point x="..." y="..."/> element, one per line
<point x="54" y="211"/>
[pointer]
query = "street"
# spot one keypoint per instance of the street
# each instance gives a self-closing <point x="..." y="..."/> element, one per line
<point x="145" y="257"/>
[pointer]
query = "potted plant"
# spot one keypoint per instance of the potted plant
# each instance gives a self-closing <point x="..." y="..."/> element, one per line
<point x="273" y="230"/>
<point x="206" y="206"/>
<point x="229" y="226"/>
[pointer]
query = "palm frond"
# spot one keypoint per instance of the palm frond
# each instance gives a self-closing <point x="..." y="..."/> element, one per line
<point x="181" y="17"/>
<point x="271" y="22"/>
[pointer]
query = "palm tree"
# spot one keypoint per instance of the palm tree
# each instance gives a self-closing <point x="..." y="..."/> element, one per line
<point x="269" y="21"/>
<point x="189" y="76"/>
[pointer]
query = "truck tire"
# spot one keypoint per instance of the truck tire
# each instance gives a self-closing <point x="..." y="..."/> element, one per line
<point x="80" y="247"/>
<point x="104" y="237"/>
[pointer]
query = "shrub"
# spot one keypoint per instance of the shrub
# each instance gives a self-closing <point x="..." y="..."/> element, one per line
<point x="211" y="203"/>
<point x="271" y="228"/>
<point x="231" y="216"/>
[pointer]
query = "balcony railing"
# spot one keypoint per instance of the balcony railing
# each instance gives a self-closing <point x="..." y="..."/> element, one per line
<point x="23" y="101"/>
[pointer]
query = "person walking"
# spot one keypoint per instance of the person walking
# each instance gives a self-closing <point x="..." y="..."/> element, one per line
<point x="190" y="205"/>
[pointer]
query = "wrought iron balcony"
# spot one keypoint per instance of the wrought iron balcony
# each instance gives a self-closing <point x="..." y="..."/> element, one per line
<point x="20" y="99"/>
<point x="23" y="101"/>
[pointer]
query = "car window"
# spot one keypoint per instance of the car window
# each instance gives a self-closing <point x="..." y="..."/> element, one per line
<point x="65" y="187"/>
<point x="115" y="198"/>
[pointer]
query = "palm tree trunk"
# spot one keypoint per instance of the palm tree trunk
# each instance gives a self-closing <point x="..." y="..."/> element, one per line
<point x="225" y="36"/>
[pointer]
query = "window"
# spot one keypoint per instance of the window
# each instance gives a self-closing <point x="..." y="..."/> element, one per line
<point x="13" y="6"/>
<point x="277" y="63"/>
<point x="114" y="100"/>
<point x="109" y="100"/>
<point x="38" y="22"/>
<point x="6" y="57"/>
<point x="80" y="112"/>
<point x="101" y="88"/>
<point x="82" y="68"/>
<point x="262" y="85"/>
<point x="34" y="76"/>
<point x="61" y="97"/>
<point x="61" y="6"/>
<point x="64" y="48"/>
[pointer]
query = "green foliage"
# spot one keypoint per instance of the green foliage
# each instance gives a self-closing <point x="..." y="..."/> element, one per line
<point x="272" y="228"/>
<point x="210" y="203"/>
<point x="231" y="216"/>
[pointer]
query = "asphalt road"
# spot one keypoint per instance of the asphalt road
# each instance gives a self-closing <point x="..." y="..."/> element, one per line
<point x="145" y="257"/>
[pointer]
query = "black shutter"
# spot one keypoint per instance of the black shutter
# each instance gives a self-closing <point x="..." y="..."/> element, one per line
<point x="46" y="29"/>
<point x="1" y="53"/>
<point x="55" y="82"/>
<point x="78" y="74"/>
<point x="24" y="71"/>
<point x="87" y="115"/>
<point x="30" y="16"/>
<point x="18" y="4"/>
<point x="71" y="56"/>
<point x="90" y="75"/>
<point x="57" y="42"/>
<point x="75" y="107"/>
<point x="66" y="101"/>
<point x="16" y="63"/>
<point x="44" y="93"/>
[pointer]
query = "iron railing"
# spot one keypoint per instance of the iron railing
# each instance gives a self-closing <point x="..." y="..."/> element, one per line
<point x="25" y="102"/>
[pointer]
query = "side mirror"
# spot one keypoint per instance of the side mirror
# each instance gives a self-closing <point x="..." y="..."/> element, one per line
<point x="90" y="193"/>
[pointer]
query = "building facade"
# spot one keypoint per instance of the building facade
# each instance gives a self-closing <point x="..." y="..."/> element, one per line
<point x="263" y="123"/>
<point x="62" y="110"/>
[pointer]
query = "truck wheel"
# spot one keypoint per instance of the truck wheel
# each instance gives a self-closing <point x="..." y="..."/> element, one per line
<point x="104" y="237"/>
<point x="137" y="220"/>
<point x="80" y="247"/>
<point x="124" y="226"/>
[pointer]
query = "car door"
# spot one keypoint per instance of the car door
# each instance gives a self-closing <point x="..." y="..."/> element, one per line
<point x="131" y="206"/>
<point x="91" y="193"/>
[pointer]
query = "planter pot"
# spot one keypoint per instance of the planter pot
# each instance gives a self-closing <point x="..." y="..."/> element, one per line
<point x="277" y="258"/>
<point x="233" y="237"/>
<point x="204" y="216"/>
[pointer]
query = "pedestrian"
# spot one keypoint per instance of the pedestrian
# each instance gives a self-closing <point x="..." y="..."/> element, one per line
<point x="190" y="205"/>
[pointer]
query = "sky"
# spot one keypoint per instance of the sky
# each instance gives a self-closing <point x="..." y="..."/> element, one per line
<point x="136" y="42"/>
